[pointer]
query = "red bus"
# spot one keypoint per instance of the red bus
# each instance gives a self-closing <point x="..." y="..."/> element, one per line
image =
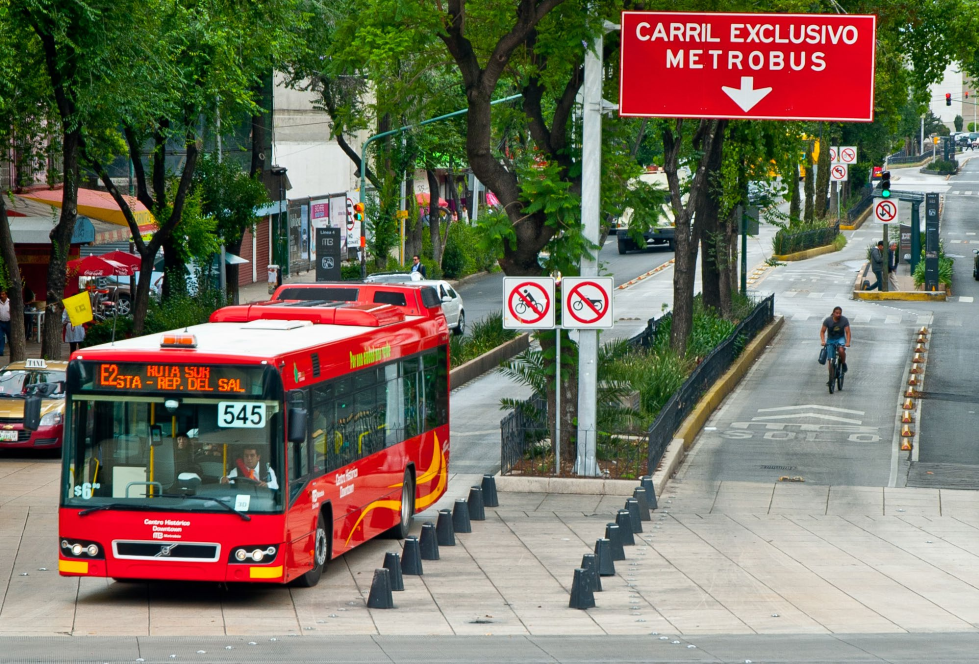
<point x="258" y="446"/>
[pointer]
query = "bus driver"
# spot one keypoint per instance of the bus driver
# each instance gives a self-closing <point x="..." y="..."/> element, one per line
<point x="250" y="466"/>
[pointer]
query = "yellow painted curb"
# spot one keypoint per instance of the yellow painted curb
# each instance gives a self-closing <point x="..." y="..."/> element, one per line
<point x="708" y="403"/>
<point x="859" y="222"/>
<point x="808" y="253"/>
<point x="905" y="296"/>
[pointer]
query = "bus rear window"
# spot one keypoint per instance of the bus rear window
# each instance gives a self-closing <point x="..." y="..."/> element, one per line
<point x="390" y="297"/>
<point x="319" y="293"/>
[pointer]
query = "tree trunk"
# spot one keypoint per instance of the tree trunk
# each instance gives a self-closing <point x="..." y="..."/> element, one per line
<point x="727" y="276"/>
<point x="794" y="203"/>
<point x="433" y="215"/>
<point x="810" y="187"/>
<point x="822" y="176"/>
<point x="18" y="337"/>
<point x="52" y="341"/>
<point x="711" y="237"/>
<point x="174" y="270"/>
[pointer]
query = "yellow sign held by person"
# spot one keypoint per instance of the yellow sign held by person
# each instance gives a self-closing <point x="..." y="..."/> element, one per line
<point x="79" y="308"/>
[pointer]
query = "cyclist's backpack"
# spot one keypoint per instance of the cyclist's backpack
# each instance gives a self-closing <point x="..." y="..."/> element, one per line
<point x="822" y="355"/>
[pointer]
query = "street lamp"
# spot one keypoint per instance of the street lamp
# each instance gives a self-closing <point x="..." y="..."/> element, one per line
<point x="280" y="172"/>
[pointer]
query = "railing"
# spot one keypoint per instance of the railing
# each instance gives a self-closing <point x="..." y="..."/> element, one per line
<point x="672" y="414"/>
<point x="526" y="426"/>
<point x="898" y="159"/>
<point x="787" y="242"/>
<point x="866" y="199"/>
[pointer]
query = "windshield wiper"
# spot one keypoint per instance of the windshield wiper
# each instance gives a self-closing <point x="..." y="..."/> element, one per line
<point x="226" y="506"/>
<point x="114" y="506"/>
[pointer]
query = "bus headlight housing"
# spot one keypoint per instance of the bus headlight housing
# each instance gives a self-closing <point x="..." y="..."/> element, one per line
<point x="263" y="554"/>
<point x="85" y="549"/>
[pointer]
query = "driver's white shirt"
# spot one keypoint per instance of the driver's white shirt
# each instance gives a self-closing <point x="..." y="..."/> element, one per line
<point x="271" y="481"/>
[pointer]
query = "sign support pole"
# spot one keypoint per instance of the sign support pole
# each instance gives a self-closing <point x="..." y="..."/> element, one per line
<point x="586" y="463"/>
<point x="885" y="278"/>
<point x="557" y="405"/>
<point x="744" y="250"/>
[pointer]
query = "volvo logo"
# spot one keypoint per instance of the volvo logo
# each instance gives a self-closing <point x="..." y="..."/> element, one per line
<point x="165" y="551"/>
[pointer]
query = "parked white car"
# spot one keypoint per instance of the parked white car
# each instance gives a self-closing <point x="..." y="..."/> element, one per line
<point x="452" y="305"/>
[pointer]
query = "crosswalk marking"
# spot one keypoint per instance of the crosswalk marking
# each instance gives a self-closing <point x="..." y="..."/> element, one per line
<point x="893" y="319"/>
<point x="965" y="298"/>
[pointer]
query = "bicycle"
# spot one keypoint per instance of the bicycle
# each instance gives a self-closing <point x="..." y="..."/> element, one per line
<point x="835" y="368"/>
<point x="521" y="306"/>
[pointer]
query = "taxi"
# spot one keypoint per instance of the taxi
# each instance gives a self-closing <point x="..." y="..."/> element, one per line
<point x="19" y="380"/>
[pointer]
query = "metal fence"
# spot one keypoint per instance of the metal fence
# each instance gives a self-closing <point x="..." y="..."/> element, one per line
<point x="866" y="199"/>
<point x="702" y="378"/>
<point x="787" y="242"/>
<point x="900" y="158"/>
<point x="523" y="428"/>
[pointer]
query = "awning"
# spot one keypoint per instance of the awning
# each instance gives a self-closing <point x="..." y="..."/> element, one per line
<point x="98" y="205"/>
<point x="232" y="259"/>
<point x="37" y="230"/>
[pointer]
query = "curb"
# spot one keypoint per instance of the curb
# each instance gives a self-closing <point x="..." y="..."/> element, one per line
<point x="565" y="485"/>
<point x="655" y="270"/>
<point x="455" y="283"/>
<point x="808" y="253"/>
<point x="904" y="296"/>
<point x="858" y="222"/>
<point x="476" y="367"/>
<point x="684" y="438"/>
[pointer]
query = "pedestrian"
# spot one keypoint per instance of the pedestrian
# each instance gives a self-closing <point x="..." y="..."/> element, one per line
<point x="4" y="320"/>
<point x="74" y="335"/>
<point x="892" y="257"/>
<point x="419" y="267"/>
<point x="29" y="309"/>
<point x="877" y="266"/>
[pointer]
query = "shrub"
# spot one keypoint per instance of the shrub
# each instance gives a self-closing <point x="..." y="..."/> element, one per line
<point x="799" y="237"/>
<point x="464" y="241"/>
<point x="485" y="335"/>
<point x="943" y="167"/>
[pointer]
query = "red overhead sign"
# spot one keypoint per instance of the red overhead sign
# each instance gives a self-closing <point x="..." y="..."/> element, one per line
<point x="748" y="66"/>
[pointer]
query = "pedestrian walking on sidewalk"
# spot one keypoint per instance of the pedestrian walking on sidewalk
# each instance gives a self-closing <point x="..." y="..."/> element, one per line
<point x="877" y="265"/>
<point x="4" y="320"/>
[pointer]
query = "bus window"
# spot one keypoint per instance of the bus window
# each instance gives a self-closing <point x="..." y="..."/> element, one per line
<point x="409" y="383"/>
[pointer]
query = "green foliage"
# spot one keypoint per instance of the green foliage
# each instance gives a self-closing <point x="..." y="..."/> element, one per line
<point x="957" y="122"/>
<point x="465" y="253"/>
<point x="229" y="196"/>
<point x="945" y="265"/>
<point x="484" y="335"/>
<point x="943" y="167"/>
<point x="799" y="237"/>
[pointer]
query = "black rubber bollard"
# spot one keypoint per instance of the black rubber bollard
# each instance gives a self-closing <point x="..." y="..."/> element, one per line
<point x="411" y="563"/>
<point x="381" y="597"/>
<point x="640" y="495"/>
<point x="646" y="482"/>
<point x="603" y="553"/>
<point x="632" y="506"/>
<point x="624" y="522"/>
<point x="590" y="563"/>
<point x="443" y="529"/>
<point x="460" y="517"/>
<point x="490" y="499"/>
<point x="392" y="563"/>
<point x="476" y="511"/>
<point x="428" y="544"/>
<point x="582" y="596"/>
<point x="615" y="541"/>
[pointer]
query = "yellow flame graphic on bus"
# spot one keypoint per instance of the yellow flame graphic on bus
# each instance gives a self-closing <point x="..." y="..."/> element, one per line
<point x="438" y="467"/>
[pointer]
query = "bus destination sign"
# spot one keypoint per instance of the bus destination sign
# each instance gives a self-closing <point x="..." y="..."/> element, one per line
<point x="171" y="378"/>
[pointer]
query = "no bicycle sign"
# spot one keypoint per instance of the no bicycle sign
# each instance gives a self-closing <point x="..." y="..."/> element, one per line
<point x="528" y="303"/>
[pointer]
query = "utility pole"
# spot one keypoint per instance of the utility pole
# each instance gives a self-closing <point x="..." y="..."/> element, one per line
<point x="586" y="463"/>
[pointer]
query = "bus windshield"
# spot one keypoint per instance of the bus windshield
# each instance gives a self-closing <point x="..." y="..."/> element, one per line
<point x="174" y="452"/>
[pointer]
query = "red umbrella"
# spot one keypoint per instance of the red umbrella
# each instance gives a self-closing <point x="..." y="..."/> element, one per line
<point x="125" y="258"/>
<point x="424" y="198"/>
<point x="491" y="199"/>
<point x="96" y="266"/>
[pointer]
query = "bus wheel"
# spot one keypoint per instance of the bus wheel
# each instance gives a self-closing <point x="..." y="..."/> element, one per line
<point x="400" y="531"/>
<point x="321" y="552"/>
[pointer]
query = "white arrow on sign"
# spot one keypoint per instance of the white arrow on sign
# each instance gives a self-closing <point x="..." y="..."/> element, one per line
<point x="747" y="96"/>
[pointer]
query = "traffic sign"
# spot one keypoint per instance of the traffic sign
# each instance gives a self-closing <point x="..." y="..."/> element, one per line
<point x="748" y="66"/>
<point x="587" y="302"/>
<point x="834" y="155"/>
<point x="839" y="172"/>
<point x="528" y="303"/>
<point x="848" y="154"/>
<point x="885" y="210"/>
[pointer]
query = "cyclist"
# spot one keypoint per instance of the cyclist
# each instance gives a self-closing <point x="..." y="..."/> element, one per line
<point x="836" y="331"/>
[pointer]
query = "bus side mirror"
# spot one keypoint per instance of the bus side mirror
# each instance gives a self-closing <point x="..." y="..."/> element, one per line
<point x="32" y="412"/>
<point x="297" y="425"/>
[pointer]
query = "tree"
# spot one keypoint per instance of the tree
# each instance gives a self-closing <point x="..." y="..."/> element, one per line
<point x="958" y="122"/>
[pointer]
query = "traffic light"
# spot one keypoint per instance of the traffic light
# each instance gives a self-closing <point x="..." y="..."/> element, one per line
<point x="358" y="211"/>
<point x="885" y="184"/>
<point x="948" y="99"/>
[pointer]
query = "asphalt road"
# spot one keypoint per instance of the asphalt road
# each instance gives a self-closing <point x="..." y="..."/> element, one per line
<point x="485" y="295"/>
<point x="950" y="413"/>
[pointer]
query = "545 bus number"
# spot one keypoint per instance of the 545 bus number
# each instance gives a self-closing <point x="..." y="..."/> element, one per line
<point x="241" y="415"/>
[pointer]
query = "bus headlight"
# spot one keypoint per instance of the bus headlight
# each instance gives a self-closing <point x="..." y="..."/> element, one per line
<point x="76" y="549"/>
<point x="254" y="554"/>
<point x="52" y="419"/>
<point x="81" y="549"/>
